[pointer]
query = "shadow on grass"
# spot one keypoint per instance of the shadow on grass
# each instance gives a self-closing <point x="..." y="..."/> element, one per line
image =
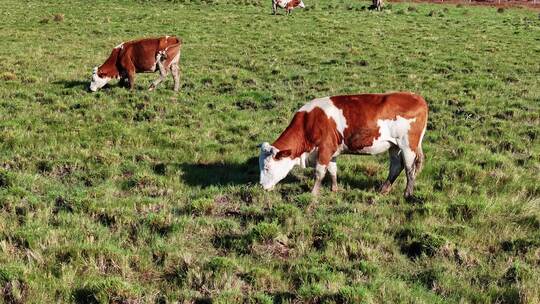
<point x="84" y="85"/>
<point x="361" y="182"/>
<point x="85" y="295"/>
<point x="74" y="84"/>
<point x="239" y="243"/>
<point x="220" y="174"/>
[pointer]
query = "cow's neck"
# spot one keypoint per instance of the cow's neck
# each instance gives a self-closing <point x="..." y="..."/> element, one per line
<point x="294" y="138"/>
<point x="110" y="67"/>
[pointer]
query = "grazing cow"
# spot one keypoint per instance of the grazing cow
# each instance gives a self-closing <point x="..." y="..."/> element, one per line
<point x="354" y="124"/>
<point x="288" y="5"/>
<point x="145" y="55"/>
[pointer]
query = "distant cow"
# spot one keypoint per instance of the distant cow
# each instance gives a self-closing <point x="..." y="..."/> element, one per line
<point x="354" y="124"/>
<point x="145" y="55"/>
<point x="288" y="5"/>
<point x="377" y="4"/>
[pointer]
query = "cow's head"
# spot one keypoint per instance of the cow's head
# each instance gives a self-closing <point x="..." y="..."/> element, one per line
<point x="98" y="81"/>
<point x="301" y="4"/>
<point x="274" y="165"/>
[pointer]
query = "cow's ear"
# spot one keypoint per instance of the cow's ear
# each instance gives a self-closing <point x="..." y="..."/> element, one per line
<point x="283" y="153"/>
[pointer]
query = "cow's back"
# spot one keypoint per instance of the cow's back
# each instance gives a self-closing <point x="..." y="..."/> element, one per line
<point x="365" y="112"/>
<point x="142" y="53"/>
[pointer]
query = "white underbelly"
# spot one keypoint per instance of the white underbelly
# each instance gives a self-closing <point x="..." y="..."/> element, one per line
<point x="379" y="145"/>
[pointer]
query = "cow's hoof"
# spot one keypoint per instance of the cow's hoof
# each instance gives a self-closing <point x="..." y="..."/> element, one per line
<point x="412" y="199"/>
<point x="408" y="196"/>
<point x="151" y="88"/>
<point x="335" y="188"/>
<point x="385" y="188"/>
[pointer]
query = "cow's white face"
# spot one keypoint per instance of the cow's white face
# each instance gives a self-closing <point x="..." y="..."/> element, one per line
<point x="274" y="165"/>
<point x="97" y="82"/>
<point x="301" y="4"/>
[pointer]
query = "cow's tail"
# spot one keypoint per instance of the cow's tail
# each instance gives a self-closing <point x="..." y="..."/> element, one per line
<point x="419" y="159"/>
<point x="170" y="52"/>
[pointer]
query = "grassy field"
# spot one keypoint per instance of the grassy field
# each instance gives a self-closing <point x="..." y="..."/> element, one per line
<point x="140" y="196"/>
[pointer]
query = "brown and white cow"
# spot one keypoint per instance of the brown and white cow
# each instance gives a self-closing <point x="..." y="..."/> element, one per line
<point x="144" y="55"/>
<point x="353" y="124"/>
<point x="288" y="5"/>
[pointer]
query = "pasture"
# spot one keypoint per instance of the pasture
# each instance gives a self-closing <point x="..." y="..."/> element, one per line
<point x="152" y="197"/>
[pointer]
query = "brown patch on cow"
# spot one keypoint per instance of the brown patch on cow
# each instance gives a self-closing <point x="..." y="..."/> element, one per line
<point x="292" y="4"/>
<point x="321" y="132"/>
<point x="362" y="138"/>
<point x="109" y="68"/>
<point x="293" y="138"/>
<point x="283" y="153"/>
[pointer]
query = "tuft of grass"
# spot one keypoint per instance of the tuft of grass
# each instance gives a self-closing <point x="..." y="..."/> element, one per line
<point x="58" y="17"/>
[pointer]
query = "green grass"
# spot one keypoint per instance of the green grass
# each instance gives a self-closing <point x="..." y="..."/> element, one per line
<point x="124" y="196"/>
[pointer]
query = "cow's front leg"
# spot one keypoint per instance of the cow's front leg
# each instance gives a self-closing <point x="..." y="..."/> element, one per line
<point x="274" y="8"/>
<point x="320" y="172"/>
<point x="332" y="169"/>
<point x="131" y="80"/>
<point x="129" y="70"/>
<point x="123" y="82"/>
<point x="324" y="158"/>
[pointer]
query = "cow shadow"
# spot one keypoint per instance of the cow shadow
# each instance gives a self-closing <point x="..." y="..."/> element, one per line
<point x="220" y="174"/>
<point x="361" y="182"/>
<point x="224" y="174"/>
<point x="85" y="85"/>
<point x="73" y="84"/>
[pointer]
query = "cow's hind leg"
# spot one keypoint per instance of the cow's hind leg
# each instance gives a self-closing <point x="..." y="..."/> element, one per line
<point x="176" y="77"/>
<point x="409" y="158"/>
<point x="162" y="74"/>
<point x="332" y="169"/>
<point x="175" y="71"/>
<point x="396" y="166"/>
